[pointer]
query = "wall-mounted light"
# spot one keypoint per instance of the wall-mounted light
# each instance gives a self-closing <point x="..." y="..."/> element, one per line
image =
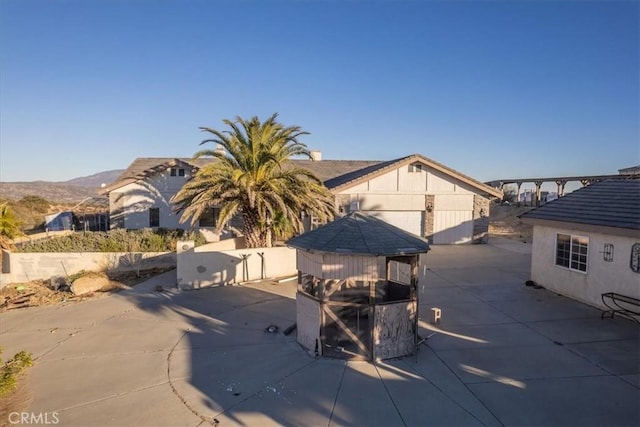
<point x="429" y="207"/>
<point x="483" y="213"/>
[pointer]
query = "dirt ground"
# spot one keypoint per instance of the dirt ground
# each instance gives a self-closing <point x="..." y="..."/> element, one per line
<point x="42" y="292"/>
<point x="16" y="401"/>
<point x="504" y="222"/>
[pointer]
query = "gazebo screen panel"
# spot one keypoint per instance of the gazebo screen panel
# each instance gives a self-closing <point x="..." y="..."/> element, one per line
<point x="355" y="291"/>
<point x="308" y="284"/>
<point x="400" y="272"/>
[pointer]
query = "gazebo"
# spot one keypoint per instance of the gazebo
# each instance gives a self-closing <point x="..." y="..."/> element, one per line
<point x="357" y="292"/>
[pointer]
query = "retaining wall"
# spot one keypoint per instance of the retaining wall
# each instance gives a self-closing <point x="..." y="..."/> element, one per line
<point x="23" y="267"/>
<point x="206" y="266"/>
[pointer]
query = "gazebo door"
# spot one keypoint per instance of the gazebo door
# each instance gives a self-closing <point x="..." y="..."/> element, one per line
<point x="347" y="330"/>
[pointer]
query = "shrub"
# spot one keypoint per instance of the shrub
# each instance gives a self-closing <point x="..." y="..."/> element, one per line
<point x="11" y="370"/>
<point x="146" y="240"/>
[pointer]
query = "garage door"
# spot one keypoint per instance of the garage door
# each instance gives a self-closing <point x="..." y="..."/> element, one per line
<point x="452" y="227"/>
<point x="410" y="221"/>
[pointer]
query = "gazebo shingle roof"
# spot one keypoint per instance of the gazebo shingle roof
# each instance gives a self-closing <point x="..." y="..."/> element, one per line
<point x="360" y="234"/>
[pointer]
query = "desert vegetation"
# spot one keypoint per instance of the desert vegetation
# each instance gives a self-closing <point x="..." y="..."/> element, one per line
<point x="11" y="370"/>
<point x="147" y="240"/>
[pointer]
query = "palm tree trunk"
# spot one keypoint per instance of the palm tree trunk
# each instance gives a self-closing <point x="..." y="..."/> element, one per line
<point x="254" y="233"/>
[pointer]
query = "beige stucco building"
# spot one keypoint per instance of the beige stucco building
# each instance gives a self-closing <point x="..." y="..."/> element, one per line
<point x="588" y="242"/>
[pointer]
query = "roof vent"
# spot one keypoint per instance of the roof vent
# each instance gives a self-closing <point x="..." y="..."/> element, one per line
<point x="316" y="155"/>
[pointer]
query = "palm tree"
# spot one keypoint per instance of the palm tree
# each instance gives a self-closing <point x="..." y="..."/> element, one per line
<point x="255" y="178"/>
<point x="9" y="226"/>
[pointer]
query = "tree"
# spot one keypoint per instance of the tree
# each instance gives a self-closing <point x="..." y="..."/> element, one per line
<point x="10" y="226"/>
<point x="254" y="177"/>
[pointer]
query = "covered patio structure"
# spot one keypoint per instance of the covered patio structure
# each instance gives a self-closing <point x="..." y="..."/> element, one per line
<point x="357" y="292"/>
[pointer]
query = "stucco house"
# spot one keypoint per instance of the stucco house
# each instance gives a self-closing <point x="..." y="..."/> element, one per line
<point x="588" y="242"/>
<point x="414" y="193"/>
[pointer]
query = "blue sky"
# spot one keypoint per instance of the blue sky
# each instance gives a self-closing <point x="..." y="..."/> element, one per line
<point x="494" y="89"/>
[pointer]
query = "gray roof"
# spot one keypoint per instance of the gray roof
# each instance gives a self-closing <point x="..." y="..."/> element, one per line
<point x="360" y="234"/>
<point x="613" y="203"/>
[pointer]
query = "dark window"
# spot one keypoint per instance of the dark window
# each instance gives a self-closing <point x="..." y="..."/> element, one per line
<point x="173" y="171"/>
<point x="572" y="251"/>
<point x="563" y="250"/>
<point x="180" y="172"/>
<point x="209" y="218"/>
<point x="154" y="217"/>
<point x="415" y="167"/>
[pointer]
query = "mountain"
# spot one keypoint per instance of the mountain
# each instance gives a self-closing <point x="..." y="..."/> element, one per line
<point x="95" y="180"/>
<point x="71" y="191"/>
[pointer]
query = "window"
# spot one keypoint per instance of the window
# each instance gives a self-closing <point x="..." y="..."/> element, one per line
<point x="415" y="167"/>
<point x="173" y="171"/>
<point x="209" y="218"/>
<point x="607" y="254"/>
<point x="180" y="172"/>
<point x="154" y="217"/>
<point x="571" y="252"/>
<point x="177" y="172"/>
<point x="634" y="262"/>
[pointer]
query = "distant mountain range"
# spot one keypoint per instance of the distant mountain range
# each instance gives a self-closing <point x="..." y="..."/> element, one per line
<point x="73" y="190"/>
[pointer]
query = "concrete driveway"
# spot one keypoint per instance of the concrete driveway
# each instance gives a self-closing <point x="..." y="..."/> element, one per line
<point x="503" y="354"/>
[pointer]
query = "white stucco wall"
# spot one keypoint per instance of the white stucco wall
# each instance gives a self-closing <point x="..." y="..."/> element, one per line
<point x="137" y="198"/>
<point x="197" y="268"/>
<point x="601" y="276"/>
<point x="24" y="267"/>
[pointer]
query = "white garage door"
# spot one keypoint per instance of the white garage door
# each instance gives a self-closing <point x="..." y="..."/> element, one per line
<point x="410" y="221"/>
<point x="452" y="227"/>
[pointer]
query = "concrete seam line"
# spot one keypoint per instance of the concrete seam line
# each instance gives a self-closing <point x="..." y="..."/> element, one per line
<point x="404" y="423"/>
<point x="113" y="396"/>
<point x="175" y="391"/>
<point x="335" y="400"/>
<point x="465" y="385"/>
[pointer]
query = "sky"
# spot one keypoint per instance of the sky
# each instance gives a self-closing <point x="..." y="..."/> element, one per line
<point x="493" y="89"/>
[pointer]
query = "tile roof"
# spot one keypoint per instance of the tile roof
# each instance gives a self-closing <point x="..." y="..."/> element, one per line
<point x="612" y="203"/>
<point x="360" y="234"/>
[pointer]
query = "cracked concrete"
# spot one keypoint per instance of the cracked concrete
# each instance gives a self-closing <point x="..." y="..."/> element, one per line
<point x="503" y="354"/>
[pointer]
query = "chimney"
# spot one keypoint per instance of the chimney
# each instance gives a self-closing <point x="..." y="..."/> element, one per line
<point x="316" y="155"/>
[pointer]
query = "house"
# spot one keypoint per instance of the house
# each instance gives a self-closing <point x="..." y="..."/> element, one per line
<point x="414" y="193"/>
<point x="630" y="171"/>
<point x="588" y="242"/>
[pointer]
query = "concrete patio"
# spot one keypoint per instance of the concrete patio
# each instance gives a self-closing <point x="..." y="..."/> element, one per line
<point x="503" y="354"/>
